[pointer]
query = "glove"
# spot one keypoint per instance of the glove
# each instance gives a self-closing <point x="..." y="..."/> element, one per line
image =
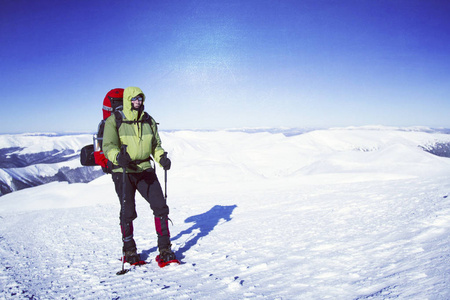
<point x="100" y="158"/>
<point x="165" y="161"/>
<point x="123" y="159"/>
<point x="109" y="167"/>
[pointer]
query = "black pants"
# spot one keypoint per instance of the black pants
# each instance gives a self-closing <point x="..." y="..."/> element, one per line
<point x="149" y="187"/>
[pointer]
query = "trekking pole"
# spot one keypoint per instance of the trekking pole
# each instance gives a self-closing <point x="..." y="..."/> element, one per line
<point x="124" y="184"/>
<point x="123" y="271"/>
<point x="165" y="185"/>
<point x="123" y="151"/>
<point x="165" y="182"/>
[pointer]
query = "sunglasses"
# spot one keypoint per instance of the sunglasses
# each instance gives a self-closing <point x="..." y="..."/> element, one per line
<point x="137" y="98"/>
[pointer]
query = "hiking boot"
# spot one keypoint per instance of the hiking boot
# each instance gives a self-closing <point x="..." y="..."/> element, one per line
<point x="131" y="257"/>
<point x="166" y="255"/>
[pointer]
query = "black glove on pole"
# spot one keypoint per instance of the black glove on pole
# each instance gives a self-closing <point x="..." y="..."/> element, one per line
<point x="123" y="158"/>
<point x="165" y="161"/>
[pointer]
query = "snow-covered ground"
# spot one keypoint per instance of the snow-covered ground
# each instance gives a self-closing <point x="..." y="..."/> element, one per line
<point x="354" y="213"/>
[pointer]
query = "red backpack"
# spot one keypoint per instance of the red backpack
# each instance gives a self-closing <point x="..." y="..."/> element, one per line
<point x="92" y="155"/>
<point x="113" y="101"/>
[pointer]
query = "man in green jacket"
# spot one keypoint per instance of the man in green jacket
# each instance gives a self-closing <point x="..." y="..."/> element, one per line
<point x="133" y="146"/>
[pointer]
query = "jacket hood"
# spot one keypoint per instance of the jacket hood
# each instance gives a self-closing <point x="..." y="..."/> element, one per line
<point x="129" y="93"/>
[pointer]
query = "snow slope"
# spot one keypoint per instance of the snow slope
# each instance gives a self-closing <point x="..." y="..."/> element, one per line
<point x="352" y="213"/>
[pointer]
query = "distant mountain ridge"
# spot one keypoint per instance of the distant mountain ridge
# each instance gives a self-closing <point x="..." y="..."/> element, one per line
<point x="11" y="157"/>
<point x="28" y="160"/>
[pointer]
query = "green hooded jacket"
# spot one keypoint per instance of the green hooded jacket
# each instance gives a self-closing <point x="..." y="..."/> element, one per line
<point x="141" y="140"/>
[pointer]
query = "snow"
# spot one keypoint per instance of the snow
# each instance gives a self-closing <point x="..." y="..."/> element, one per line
<point x="344" y="213"/>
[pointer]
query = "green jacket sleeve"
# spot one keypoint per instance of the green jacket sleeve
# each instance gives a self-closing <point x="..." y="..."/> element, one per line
<point x="111" y="141"/>
<point x="157" y="150"/>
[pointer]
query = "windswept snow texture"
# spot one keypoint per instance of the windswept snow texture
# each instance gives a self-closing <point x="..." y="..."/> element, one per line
<point x="28" y="160"/>
<point x="354" y="213"/>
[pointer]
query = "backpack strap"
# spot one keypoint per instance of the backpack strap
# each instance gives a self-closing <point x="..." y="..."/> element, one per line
<point x="100" y="131"/>
<point x="145" y="118"/>
<point x="119" y="115"/>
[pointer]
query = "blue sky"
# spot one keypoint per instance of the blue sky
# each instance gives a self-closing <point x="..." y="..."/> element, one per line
<point x="212" y="64"/>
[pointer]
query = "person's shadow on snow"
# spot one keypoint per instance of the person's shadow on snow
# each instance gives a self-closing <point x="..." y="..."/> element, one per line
<point x="203" y="224"/>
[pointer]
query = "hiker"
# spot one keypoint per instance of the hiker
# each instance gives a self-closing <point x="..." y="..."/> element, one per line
<point x="138" y="131"/>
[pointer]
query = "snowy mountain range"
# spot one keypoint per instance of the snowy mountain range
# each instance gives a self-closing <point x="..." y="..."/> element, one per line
<point x="28" y="160"/>
<point x="342" y="213"/>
